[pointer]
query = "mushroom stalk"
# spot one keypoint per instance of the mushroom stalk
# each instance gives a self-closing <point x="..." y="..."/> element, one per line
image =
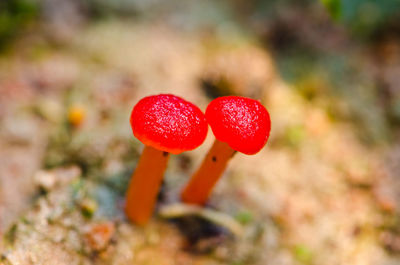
<point x="145" y="183"/>
<point x="202" y="182"/>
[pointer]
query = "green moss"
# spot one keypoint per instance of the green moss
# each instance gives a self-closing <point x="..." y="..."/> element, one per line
<point x="334" y="7"/>
<point x="294" y="136"/>
<point x="244" y="217"/>
<point x="303" y="254"/>
<point x="10" y="236"/>
<point x="14" y="14"/>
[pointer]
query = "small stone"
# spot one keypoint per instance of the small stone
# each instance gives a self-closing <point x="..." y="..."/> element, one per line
<point x="45" y="180"/>
<point x="98" y="236"/>
<point x="67" y="175"/>
<point x="50" y="110"/>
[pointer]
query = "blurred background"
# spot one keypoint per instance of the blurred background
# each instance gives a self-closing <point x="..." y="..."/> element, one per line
<point x="325" y="189"/>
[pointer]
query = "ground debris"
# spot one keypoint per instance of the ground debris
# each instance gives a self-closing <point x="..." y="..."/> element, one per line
<point x="98" y="236"/>
<point x="219" y="218"/>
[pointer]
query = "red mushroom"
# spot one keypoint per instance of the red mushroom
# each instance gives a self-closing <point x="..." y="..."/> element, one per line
<point x="239" y="124"/>
<point x="165" y="124"/>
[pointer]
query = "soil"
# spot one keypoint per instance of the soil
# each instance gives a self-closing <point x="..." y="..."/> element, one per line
<point x="316" y="194"/>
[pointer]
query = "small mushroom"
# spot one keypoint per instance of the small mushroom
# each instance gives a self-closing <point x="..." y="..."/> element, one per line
<point x="239" y="124"/>
<point x="165" y="124"/>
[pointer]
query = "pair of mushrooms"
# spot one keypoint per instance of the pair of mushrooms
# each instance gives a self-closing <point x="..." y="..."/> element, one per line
<point x="169" y="124"/>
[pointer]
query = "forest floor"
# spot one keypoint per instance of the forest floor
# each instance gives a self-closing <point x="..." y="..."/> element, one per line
<point x="316" y="194"/>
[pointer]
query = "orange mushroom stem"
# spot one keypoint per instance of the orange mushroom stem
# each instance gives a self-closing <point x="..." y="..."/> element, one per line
<point x="165" y="124"/>
<point x="202" y="182"/>
<point x="239" y="124"/>
<point x="145" y="184"/>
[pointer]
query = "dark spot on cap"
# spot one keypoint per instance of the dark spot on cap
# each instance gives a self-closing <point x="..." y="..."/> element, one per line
<point x="214" y="159"/>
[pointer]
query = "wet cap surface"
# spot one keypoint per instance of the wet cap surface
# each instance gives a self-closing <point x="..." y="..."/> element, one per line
<point x="241" y="122"/>
<point x="168" y="123"/>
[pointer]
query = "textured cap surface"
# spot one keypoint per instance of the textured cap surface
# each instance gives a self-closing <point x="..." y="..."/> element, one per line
<point x="168" y="123"/>
<point x="241" y="122"/>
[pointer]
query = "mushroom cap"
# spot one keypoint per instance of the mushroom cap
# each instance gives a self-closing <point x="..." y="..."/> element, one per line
<point x="168" y="123"/>
<point x="243" y="123"/>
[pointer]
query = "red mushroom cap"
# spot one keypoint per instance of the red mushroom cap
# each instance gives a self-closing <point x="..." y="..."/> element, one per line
<point x="241" y="122"/>
<point x="168" y="123"/>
